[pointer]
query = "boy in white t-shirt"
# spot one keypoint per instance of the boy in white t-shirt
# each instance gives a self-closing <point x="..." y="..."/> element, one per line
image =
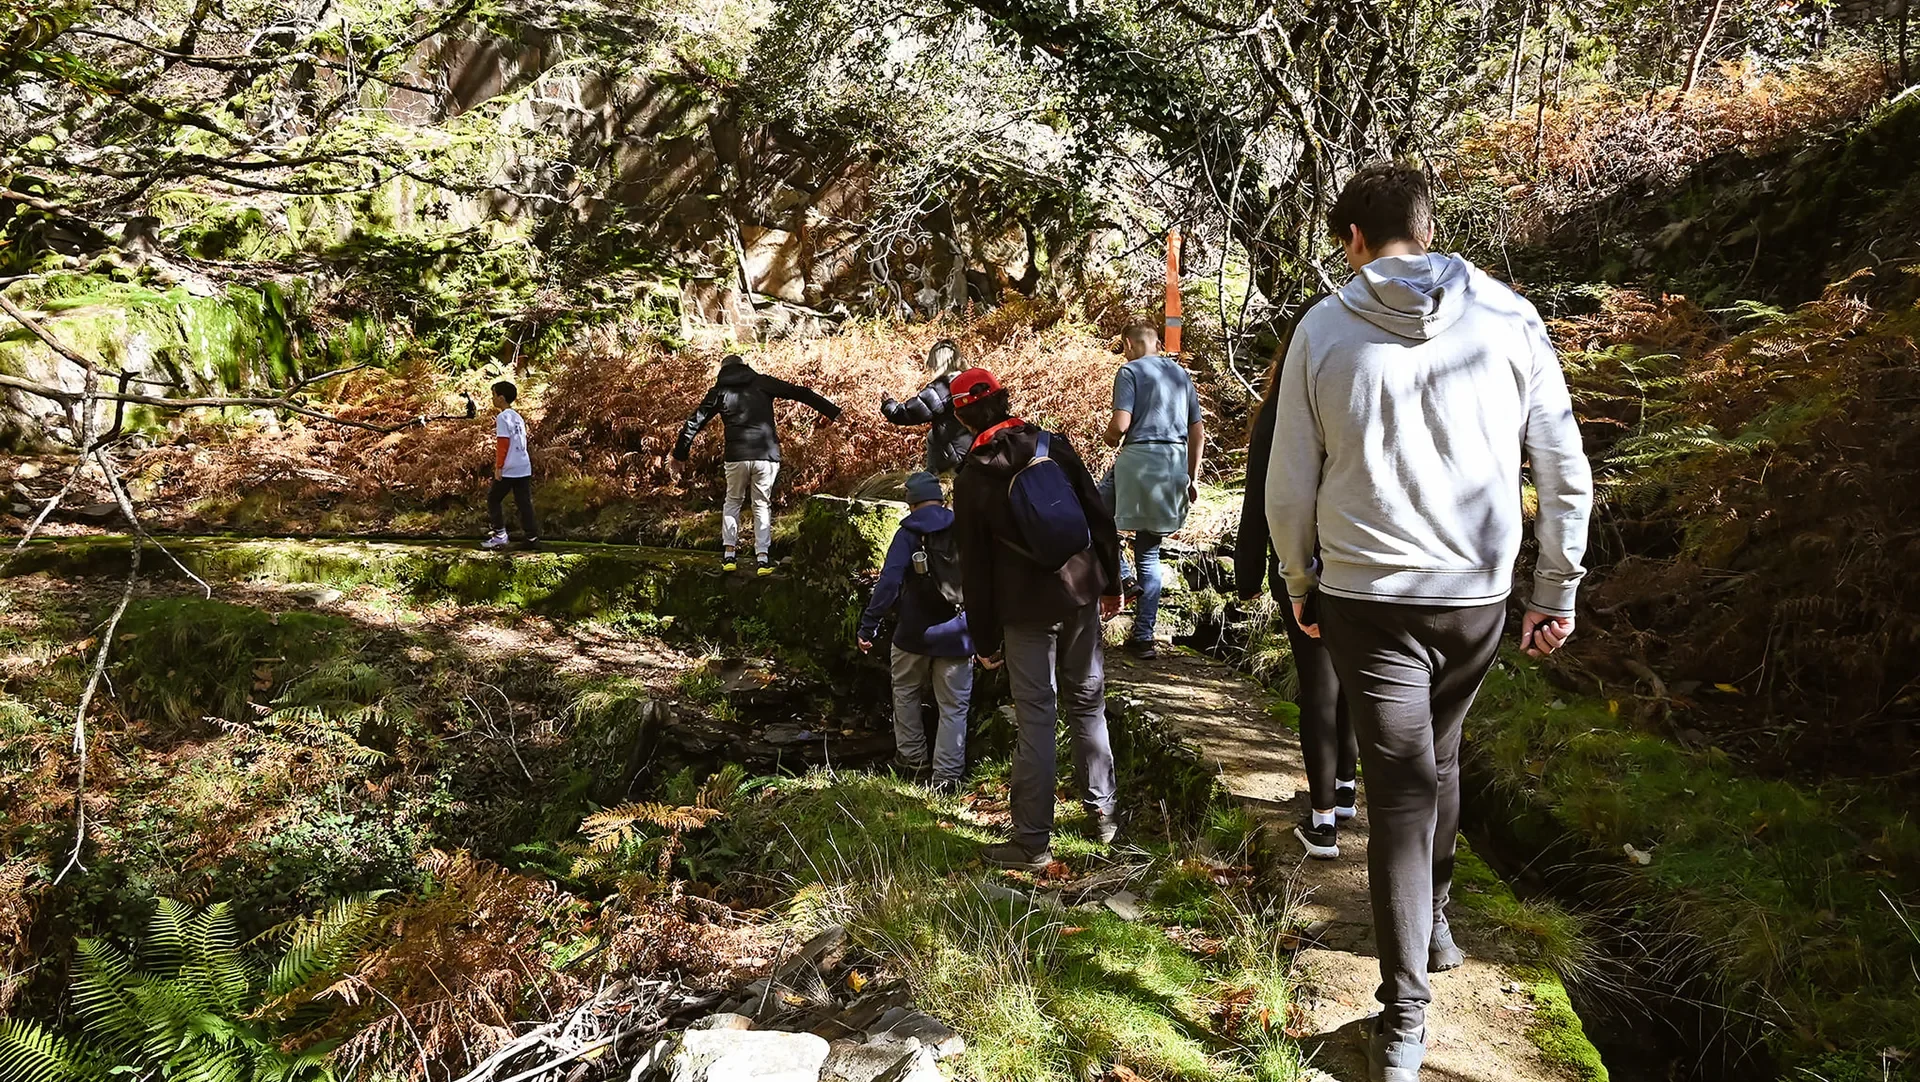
<point x="512" y="470"/>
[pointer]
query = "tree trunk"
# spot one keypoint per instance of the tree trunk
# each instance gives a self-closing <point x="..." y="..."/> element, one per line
<point x="1700" y="48"/>
<point x="1906" y="75"/>
<point x="1540" y="96"/>
<point x="1519" y="54"/>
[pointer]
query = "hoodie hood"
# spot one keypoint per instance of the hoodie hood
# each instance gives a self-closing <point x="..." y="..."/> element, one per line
<point x="738" y="374"/>
<point x="926" y="520"/>
<point x="1412" y="296"/>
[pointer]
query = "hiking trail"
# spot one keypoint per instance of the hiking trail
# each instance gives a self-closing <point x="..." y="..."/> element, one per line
<point x="1484" y="1023"/>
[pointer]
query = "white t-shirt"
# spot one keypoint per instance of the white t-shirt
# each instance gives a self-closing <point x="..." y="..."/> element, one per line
<point x="512" y="428"/>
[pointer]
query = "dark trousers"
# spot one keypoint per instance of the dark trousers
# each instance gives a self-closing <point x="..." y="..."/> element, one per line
<point x="522" y="489"/>
<point x="1409" y="673"/>
<point x="1327" y="740"/>
<point x="1046" y="664"/>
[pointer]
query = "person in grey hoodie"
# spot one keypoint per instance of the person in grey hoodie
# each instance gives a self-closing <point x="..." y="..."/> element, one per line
<point x="1409" y="402"/>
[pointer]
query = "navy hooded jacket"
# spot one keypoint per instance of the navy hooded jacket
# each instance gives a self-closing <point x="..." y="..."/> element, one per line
<point x="925" y="627"/>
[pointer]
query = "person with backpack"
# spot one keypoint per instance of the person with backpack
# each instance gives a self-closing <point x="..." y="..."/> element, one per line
<point x="948" y="441"/>
<point x="920" y="582"/>
<point x="743" y="399"/>
<point x="1156" y="423"/>
<point x="1040" y="567"/>
<point x="1415" y="404"/>
<point x="1327" y="741"/>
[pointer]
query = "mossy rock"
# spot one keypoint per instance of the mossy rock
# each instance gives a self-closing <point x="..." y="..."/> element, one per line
<point x="811" y="605"/>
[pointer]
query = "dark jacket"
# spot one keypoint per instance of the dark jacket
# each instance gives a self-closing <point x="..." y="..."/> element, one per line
<point x="925" y="626"/>
<point x="948" y="441"/>
<point x="1002" y="586"/>
<point x="1253" y="558"/>
<point x="744" y="400"/>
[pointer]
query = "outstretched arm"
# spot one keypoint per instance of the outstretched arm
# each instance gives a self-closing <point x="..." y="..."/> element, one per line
<point x="701" y="415"/>
<point x="918" y="410"/>
<point x="886" y="592"/>
<point x="780" y="388"/>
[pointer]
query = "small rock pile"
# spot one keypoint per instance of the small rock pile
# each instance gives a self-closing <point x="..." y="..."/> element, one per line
<point x="790" y="1027"/>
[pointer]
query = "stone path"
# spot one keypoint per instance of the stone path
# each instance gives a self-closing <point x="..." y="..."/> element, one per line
<point x="1478" y="1024"/>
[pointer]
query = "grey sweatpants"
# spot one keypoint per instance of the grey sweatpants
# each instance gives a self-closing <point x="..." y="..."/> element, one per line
<point x="1046" y="663"/>
<point x="952" y="679"/>
<point x="1409" y="674"/>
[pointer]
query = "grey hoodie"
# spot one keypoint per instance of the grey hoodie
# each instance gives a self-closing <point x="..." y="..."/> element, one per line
<point x="1408" y="402"/>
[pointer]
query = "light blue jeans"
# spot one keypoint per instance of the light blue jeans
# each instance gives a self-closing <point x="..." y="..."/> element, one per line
<point x="952" y="690"/>
<point x="1146" y="565"/>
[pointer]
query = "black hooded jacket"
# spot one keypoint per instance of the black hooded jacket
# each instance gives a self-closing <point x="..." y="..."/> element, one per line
<point x="1002" y="586"/>
<point x="1253" y="559"/>
<point x="744" y="400"/>
<point x="948" y="441"/>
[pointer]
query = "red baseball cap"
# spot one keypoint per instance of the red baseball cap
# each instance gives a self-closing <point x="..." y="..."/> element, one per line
<point x="972" y="385"/>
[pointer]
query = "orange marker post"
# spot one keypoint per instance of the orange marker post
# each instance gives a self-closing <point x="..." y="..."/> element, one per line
<point x="1171" y="340"/>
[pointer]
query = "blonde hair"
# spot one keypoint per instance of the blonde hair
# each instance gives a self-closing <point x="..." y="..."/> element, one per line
<point x="943" y="359"/>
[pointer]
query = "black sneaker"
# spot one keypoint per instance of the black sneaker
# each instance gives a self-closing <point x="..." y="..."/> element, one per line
<point x="1015" y="857"/>
<point x="1343" y="798"/>
<point x="1144" y="649"/>
<point x="1322" y="842"/>
<point x="1442" y="952"/>
<point x="947" y="787"/>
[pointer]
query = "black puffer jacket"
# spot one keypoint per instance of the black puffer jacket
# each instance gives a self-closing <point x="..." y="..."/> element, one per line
<point x="948" y="441"/>
<point x="1002" y="586"/>
<point x="744" y="400"/>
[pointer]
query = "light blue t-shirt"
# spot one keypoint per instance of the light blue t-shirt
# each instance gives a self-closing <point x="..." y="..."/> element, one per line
<point x="1160" y="396"/>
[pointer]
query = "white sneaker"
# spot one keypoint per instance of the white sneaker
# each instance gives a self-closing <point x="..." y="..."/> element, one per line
<point x="495" y="541"/>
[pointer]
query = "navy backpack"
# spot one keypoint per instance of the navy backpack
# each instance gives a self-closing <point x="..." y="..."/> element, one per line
<point x="1046" y="511"/>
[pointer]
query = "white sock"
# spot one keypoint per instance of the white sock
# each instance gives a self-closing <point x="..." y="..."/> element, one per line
<point x="1322" y="818"/>
<point x="1350" y="783"/>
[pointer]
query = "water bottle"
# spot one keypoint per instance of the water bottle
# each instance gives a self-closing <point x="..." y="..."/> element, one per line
<point x="920" y="562"/>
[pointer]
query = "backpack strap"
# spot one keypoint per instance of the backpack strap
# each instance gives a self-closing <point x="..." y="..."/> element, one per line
<point x="1039" y="449"/>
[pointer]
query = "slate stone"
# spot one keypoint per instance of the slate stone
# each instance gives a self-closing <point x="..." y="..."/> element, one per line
<point x="855" y="1061"/>
<point x="936" y="1035"/>
<point x="735" y="1055"/>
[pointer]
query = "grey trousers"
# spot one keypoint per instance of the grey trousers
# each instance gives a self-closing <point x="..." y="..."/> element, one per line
<point x="952" y="690"/>
<point x="1409" y="674"/>
<point x="1046" y="663"/>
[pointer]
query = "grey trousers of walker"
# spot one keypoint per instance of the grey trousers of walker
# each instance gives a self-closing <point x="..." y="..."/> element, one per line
<point x="1409" y="674"/>
<point x="1045" y="665"/>
<point x="952" y="679"/>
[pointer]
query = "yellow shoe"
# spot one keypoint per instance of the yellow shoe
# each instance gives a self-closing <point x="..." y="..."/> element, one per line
<point x="728" y="563"/>
<point x="765" y="569"/>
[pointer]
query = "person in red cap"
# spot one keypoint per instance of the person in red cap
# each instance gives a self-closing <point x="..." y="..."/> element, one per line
<point x="1040" y="569"/>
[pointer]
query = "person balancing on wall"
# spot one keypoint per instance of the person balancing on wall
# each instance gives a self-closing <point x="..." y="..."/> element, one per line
<point x="1409" y="402"/>
<point x="743" y="399"/>
<point x="512" y="471"/>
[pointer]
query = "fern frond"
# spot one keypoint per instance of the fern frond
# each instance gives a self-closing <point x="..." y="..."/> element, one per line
<point x="320" y="945"/>
<point x="29" y="1053"/>
<point x="105" y="993"/>
<point x="218" y="967"/>
<point x="167" y="936"/>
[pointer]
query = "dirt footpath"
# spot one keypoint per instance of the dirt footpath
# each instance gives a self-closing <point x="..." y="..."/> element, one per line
<point x="1483" y="1025"/>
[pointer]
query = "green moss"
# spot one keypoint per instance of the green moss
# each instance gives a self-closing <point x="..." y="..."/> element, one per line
<point x="1783" y="889"/>
<point x="1556" y="1031"/>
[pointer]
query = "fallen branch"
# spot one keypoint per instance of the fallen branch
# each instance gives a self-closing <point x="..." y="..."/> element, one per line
<point x="80" y="717"/>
